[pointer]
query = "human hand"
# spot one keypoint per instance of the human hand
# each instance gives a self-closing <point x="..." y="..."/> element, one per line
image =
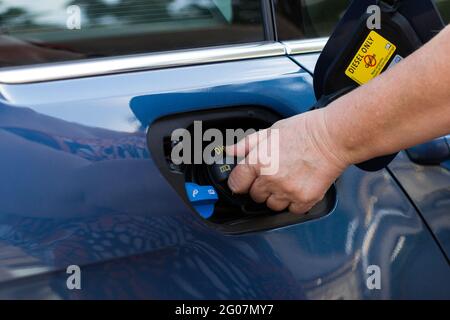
<point x="309" y="161"/>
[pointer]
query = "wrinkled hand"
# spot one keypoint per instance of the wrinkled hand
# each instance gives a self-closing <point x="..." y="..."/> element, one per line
<point x="308" y="163"/>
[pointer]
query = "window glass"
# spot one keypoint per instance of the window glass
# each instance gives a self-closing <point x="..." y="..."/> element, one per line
<point x="444" y="8"/>
<point x="58" y="30"/>
<point x="304" y="19"/>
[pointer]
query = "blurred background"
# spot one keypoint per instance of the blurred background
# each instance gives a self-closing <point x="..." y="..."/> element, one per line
<point x="31" y="31"/>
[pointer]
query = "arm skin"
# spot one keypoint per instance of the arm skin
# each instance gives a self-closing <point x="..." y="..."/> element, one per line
<point x="406" y="105"/>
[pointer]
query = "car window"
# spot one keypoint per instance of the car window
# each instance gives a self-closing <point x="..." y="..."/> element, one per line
<point x="59" y="30"/>
<point x="306" y="19"/>
<point x="444" y="8"/>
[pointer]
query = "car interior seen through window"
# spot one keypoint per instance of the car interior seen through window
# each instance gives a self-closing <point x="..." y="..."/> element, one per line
<point x="306" y="19"/>
<point x="59" y="30"/>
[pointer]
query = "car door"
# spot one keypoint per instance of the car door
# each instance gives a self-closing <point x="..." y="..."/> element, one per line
<point x="88" y="101"/>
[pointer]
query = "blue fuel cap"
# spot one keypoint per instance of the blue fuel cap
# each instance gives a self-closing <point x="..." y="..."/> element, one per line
<point x="203" y="198"/>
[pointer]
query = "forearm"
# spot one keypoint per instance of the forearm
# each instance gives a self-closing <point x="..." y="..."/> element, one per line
<point x="407" y="105"/>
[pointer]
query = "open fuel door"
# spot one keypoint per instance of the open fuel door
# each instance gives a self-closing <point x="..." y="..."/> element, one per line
<point x="360" y="48"/>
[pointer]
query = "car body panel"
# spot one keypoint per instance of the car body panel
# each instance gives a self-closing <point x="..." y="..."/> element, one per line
<point x="306" y="61"/>
<point x="78" y="153"/>
<point x="324" y="259"/>
<point x="429" y="190"/>
<point x="79" y="187"/>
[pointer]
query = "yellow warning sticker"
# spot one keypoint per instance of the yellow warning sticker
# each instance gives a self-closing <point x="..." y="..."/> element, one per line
<point x="371" y="58"/>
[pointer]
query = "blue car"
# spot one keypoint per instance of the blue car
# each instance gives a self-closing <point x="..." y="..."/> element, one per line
<point x="92" y="207"/>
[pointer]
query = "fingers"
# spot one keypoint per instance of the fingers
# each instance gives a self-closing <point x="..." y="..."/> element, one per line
<point x="247" y="181"/>
<point x="244" y="146"/>
<point x="242" y="177"/>
<point x="258" y="191"/>
<point x="245" y="173"/>
<point x="300" y="208"/>
<point x="277" y="204"/>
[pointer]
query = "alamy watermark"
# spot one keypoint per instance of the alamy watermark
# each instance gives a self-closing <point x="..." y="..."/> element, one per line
<point x="73" y="21"/>
<point x="73" y="281"/>
<point x="374" y="20"/>
<point x="373" y="281"/>
<point x="207" y="147"/>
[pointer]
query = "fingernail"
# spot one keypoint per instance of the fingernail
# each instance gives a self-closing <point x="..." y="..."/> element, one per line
<point x="232" y="184"/>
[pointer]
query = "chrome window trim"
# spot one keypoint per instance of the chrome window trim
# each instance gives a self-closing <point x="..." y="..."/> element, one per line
<point x="160" y="60"/>
<point x="304" y="46"/>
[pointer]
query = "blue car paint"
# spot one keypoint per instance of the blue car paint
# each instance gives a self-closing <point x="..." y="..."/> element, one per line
<point x="79" y="187"/>
<point x="306" y="61"/>
<point x="104" y="102"/>
<point x="429" y="189"/>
